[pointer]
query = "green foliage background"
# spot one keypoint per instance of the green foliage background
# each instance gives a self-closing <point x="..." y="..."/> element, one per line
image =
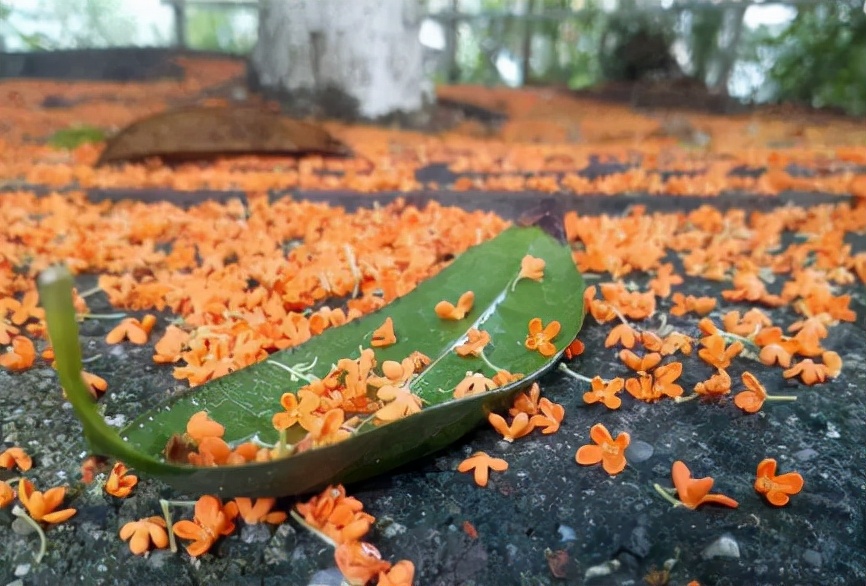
<point x="819" y="58"/>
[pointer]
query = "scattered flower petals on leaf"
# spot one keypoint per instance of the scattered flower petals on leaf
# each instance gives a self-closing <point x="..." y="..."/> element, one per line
<point x="384" y="336"/>
<point x="446" y="310"/>
<point x="541" y="338"/>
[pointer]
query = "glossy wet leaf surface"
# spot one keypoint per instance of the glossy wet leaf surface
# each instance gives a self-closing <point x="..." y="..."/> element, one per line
<point x="245" y="401"/>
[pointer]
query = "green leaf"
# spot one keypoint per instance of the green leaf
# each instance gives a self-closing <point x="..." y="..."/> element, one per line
<point x="245" y="401"/>
<point x="75" y="136"/>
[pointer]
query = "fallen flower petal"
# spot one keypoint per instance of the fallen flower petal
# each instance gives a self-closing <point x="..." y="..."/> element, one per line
<point x="260" y="512"/>
<point x="520" y="426"/>
<point x="200" y="426"/>
<point x="144" y="532"/>
<point x="640" y="363"/>
<point x="7" y="495"/>
<point x="475" y="343"/>
<point x="20" y="356"/>
<point x="210" y="522"/>
<point x="446" y="310"/>
<point x="482" y="464"/>
<point x="541" y="338"/>
<point x="15" y="456"/>
<point x="359" y="562"/>
<point x="41" y="506"/>
<point x="610" y="452"/>
<point x="531" y="268"/>
<point x="605" y="392"/>
<point x="550" y="418"/>
<point x="384" y="335"/>
<point x="401" y="574"/>
<point x="776" y="489"/>
<point x="119" y="482"/>
<point x="810" y="372"/>
<point x="474" y="384"/>
<point x="622" y="334"/>
<point x="693" y="492"/>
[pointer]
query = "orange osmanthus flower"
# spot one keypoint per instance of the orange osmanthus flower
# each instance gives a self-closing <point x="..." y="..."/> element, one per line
<point x="531" y="268"/>
<point x="810" y="372"/>
<point x="716" y="353"/>
<point x="520" y="426"/>
<point x="541" y="338"/>
<point x="526" y="402"/>
<point x="474" y="384"/>
<point x="211" y="520"/>
<point x="693" y="492"/>
<point x="622" y="334"/>
<point x="15" y="456"/>
<point x="339" y="517"/>
<point x="260" y="512"/>
<point x="401" y="574"/>
<point x="20" y="356"/>
<point x="119" y="482"/>
<point x="576" y="348"/>
<point x="143" y="532"/>
<point x="399" y="402"/>
<point x="475" y="343"/>
<point x="200" y="426"/>
<point x="684" y="304"/>
<point x="295" y="410"/>
<point x="384" y="335"/>
<point x="640" y="363"/>
<point x="41" y="506"/>
<point x="550" y="417"/>
<point x="95" y="384"/>
<point x="752" y="399"/>
<point x="131" y="329"/>
<point x="447" y="310"/>
<point x="359" y="562"/>
<point x="610" y="452"/>
<point x="482" y="463"/>
<point x="605" y="393"/>
<point x="716" y="386"/>
<point x="7" y="495"/>
<point x="776" y="489"/>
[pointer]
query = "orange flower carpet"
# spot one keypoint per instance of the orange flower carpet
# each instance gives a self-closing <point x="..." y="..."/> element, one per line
<point x="706" y="428"/>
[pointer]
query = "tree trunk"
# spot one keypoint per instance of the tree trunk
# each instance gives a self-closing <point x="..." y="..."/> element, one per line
<point x="346" y="59"/>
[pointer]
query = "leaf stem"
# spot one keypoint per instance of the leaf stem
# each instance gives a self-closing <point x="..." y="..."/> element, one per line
<point x="780" y="398"/>
<point x="563" y="368"/>
<point x="488" y="363"/>
<point x="281" y="444"/>
<point x="665" y="493"/>
<point x="691" y="397"/>
<point x="314" y="530"/>
<point x="89" y="292"/>
<point x="84" y="316"/>
<point x="43" y="541"/>
<point x="169" y="523"/>
<point x="297" y="372"/>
